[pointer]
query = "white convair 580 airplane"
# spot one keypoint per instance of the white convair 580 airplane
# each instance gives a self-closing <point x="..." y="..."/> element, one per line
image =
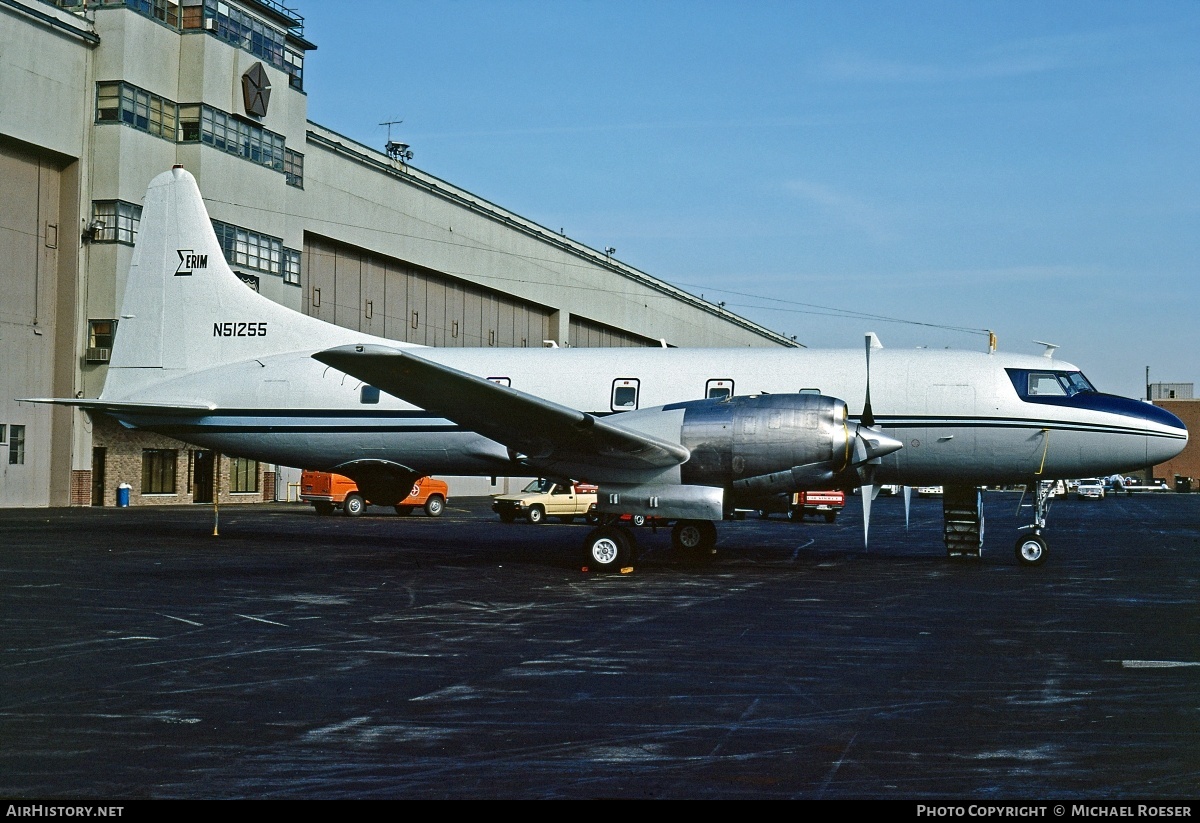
<point x="201" y="357"/>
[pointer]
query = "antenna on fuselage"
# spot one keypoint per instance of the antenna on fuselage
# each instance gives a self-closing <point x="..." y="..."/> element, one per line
<point x="1050" y="347"/>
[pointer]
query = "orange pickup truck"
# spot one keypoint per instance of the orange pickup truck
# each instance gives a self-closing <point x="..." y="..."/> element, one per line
<point x="328" y="492"/>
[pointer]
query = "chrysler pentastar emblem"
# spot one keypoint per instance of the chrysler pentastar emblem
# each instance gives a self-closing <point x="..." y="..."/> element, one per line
<point x="256" y="90"/>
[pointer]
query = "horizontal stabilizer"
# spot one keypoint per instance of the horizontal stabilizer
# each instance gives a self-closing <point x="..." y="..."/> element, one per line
<point x="532" y="428"/>
<point x="117" y="407"/>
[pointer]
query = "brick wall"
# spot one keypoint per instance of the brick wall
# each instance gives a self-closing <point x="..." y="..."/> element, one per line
<point x="124" y="465"/>
<point x="81" y="488"/>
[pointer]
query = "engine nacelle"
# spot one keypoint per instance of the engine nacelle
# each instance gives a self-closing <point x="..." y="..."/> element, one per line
<point x="806" y="437"/>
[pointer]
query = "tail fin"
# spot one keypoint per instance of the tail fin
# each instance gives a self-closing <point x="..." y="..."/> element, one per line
<point x="184" y="308"/>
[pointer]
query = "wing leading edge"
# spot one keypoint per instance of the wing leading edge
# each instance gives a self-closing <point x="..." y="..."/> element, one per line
<point x="533" y="428"/>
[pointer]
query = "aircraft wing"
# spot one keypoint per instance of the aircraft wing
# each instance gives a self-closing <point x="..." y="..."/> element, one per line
<point x="532" y="427"/>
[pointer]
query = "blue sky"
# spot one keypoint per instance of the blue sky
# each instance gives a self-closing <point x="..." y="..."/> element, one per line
<point x="1027" y="167"/>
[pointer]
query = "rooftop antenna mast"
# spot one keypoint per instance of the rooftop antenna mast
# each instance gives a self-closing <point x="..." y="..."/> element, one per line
<point x="396" y="150"/>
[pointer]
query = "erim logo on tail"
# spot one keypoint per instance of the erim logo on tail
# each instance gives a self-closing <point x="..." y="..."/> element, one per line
<point x="189" y="261"/>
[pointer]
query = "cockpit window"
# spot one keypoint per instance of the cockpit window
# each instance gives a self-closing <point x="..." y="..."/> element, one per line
<point x="1034" y="385"/>
<point x="1043" y="384"/>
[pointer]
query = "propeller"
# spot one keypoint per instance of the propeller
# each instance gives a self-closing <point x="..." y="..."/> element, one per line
<point x="870" y="445"/>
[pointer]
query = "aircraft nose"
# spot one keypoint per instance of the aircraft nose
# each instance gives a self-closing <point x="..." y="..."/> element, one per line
<point x="1160" y="449"/>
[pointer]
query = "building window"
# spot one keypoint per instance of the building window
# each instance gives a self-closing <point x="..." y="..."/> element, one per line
<point x="158" y="471"/>
<point x="3" y="433"/>
<point x="293" y="168"/>
<point x="16" y="445"/>
<point x="243" y="247"/>
<point x="244" y="31"/>
<point x="291" y="267"/>
<point x="101" y="334"/>
<point x="133" y="106"/>
<point x="243" y="475"/>
<point x="166" y="11"/>
<point x="191" y="123"/>
<point x="118" y="221"/>
<point x="226" y="133"/>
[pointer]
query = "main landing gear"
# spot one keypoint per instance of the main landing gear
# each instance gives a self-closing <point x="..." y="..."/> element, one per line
<point x="611" y="547"/>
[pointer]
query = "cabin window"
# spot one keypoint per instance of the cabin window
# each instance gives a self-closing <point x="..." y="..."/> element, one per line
<point x="809" y="391"/>
<point x="718" y="388"/>
<point x="368" y="395"/>
<point x="625" y="394"/>
<point x="503" y="381"/>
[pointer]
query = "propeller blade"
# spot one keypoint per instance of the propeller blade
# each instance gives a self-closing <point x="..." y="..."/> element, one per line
<point x="868" y="416"/>
<point x="907" y="503"/>
<point x="868" y="494"/>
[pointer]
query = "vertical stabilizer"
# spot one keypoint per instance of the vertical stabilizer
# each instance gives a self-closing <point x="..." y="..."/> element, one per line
<point x="184" y="309"/>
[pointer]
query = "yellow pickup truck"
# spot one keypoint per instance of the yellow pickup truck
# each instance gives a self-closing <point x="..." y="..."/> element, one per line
<point x="544" y="498"/>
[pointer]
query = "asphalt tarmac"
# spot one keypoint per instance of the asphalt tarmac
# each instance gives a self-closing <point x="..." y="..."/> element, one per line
<point x="291" y="656"/>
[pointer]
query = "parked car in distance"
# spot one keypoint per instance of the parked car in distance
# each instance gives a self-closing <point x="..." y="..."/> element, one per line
<point x="544" y="498"/>
<point x="826" y="502"/>
<point x="329" y="492"/>
<point x="1090" y="488"/>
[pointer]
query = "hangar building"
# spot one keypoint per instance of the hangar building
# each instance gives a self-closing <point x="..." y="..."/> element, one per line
<point x="99" y="96"/>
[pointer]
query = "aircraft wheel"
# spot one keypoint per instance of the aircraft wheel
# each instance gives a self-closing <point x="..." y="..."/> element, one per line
<point x="435" y="505"/>
<point x="1031" y="550"/>
<point x="354" y="505"/>
<point x="608" y="548"/>
<point x="695" y="538"/>
<point x="536" y="515"/>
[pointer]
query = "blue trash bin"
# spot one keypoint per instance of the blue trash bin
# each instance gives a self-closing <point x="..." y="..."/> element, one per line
<point x="123" y="494"/>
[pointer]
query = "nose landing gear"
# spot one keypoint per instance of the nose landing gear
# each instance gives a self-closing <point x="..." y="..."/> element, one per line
<point x="1031" y="548"/>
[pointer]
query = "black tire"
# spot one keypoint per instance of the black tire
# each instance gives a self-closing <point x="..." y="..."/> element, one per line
<point x="536" y="515"/>
<point x="830" y="517"/>
<point x="593" y="516"/>
<point x="323" y="509"/>
<point x="354" y="505"/>
<point x="404" y="511"/>
<point x="637" y="519"/>
<point x="694" y="539"/>
<point x="763" y="514"/>
<point x="1031" y="550"/>
<point x="608" y="548"/>
<point x="796" y="515"/>
<point x="435" y="505"/>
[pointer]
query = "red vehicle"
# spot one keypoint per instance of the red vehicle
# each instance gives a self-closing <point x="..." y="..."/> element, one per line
<point x="825" y="502"/>
<point x="328" y="492"/>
